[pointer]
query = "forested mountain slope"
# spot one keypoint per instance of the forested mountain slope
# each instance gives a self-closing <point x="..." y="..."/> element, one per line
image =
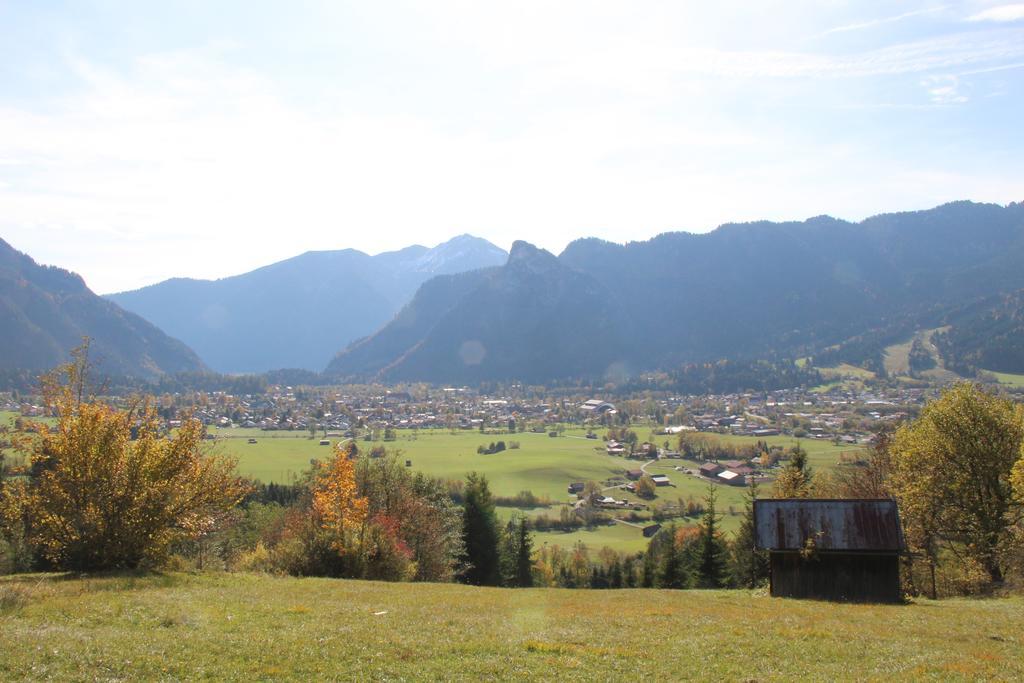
<point x="46" y="311"/>
<point x="755" y="290"/>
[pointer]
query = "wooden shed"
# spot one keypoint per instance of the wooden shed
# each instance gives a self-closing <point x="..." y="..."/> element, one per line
<point x="844" y="550"/>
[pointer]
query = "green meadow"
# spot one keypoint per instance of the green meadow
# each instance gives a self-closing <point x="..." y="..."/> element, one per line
<point x="1009" y="379"/>
<point x="258" y="628"/>
<point x="542" y="464"/>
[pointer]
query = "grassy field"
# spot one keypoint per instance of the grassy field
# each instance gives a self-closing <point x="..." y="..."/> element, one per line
<point x="246" y="627"/>
<point x="1009" y="379"/>
<point x="541" y="464"/>
<point x="846" y="370"/>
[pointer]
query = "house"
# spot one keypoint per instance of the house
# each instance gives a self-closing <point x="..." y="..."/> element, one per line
<point x="660" y="480"/>
<point x="766" y="431"/>
<point x="651" y="529"/>
<point x="710" y="469"/>
<point x="576" y="487"/>
<point x="615" y="448"/>
<point x="596" y="406"/>
<point x="731" y="477"/>
<point x="634" y="474"/>
<point x="846" y="550"/>
<point x="325" y="442"/>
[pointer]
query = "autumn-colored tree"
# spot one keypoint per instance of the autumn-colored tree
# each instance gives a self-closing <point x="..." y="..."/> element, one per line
<point x="794" y="481"/>
<point x="951" y="473"/>
<point x="868" y="477"/>
<point x="646" y="488"/>
<point x="109" y="489"/>
<point x="337" y="506"/>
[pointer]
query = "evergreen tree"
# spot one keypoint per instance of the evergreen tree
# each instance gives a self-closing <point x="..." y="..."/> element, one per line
<point x="710" y="570"/>
<point x="615" y="577"/>
<point x="748" y="565"/>
<point x="480" y="534"/>
<point x="524" y="555"/>
<point x="673" y="568"/>
<point x="650" y="569"/>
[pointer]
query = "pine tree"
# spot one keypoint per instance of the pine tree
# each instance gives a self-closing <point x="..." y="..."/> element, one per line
<point x="673" y="569"/>
<point x="480" y="534"/>
<point x="615" y="577"/>
<point x="710" y="570"/>
<point x="748" y="565"/>
<point x="524" y="556"/>
<point x="650" y="569"/>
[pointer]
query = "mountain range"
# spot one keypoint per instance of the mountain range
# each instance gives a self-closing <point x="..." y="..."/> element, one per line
<point x="601" y="310"/>
<point x="46" y="311"/>
<point x="298" y="312"/>
<point x="465" y="312"/>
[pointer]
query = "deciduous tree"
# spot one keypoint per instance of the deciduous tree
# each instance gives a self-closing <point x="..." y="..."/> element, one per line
<point x="109" y="489"/>
<point x="952" y="474"/>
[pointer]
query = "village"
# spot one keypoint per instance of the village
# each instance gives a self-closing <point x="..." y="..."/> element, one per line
<point x="840" y="415"/>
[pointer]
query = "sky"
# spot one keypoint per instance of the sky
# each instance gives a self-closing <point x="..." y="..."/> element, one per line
<point x="141" y="141"/>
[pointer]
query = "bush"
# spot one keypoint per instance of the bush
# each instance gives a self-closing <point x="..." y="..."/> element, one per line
<point x="109" y="490"/>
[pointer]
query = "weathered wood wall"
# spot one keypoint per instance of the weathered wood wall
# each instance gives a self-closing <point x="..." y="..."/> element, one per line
<point x="847" y="577"/>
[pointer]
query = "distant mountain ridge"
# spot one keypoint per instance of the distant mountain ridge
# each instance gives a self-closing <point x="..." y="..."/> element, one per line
<point x="741" y="291"/>
<point x="512" y="321"/>
<point x="45" y="311"/>
<point x="298" y="312"/>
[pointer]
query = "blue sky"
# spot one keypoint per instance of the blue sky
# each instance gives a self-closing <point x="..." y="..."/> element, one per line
<point x="141" y="141"/>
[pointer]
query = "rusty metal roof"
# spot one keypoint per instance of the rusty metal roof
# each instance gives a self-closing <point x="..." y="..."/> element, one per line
<point x="857" y="525"/>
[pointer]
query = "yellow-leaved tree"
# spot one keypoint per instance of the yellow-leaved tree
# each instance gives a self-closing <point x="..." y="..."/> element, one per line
<point x="109" y="488"/>
<point x="337" y="504"/>
<point x="951" y="474"/>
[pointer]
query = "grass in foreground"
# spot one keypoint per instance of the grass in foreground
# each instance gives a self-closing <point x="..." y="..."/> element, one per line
<point x="245" y="627"/>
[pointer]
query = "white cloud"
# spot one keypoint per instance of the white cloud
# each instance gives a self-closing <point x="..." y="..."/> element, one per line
<point x="884" y="20"/>
<point x="1001" y="13"/>
<point x="200" y="163"/>
<point x="944" y="90"/>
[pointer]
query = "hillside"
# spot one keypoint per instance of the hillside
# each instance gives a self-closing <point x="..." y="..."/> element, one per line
<point x="757" y="290"/>
<point x="298" y="312"/>
<point x="45" y="312"/>
<point x="533" y="319"/>
<point x="249" y="627"/>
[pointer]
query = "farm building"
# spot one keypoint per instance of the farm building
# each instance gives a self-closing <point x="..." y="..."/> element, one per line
<point x="651" y="529"/>
<point x="710" y="469"/>
<point x="596" y="405"/>
<point x="660" y="480"/>
<point x="845" y="550"/>
<point x="731" y="477"/>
